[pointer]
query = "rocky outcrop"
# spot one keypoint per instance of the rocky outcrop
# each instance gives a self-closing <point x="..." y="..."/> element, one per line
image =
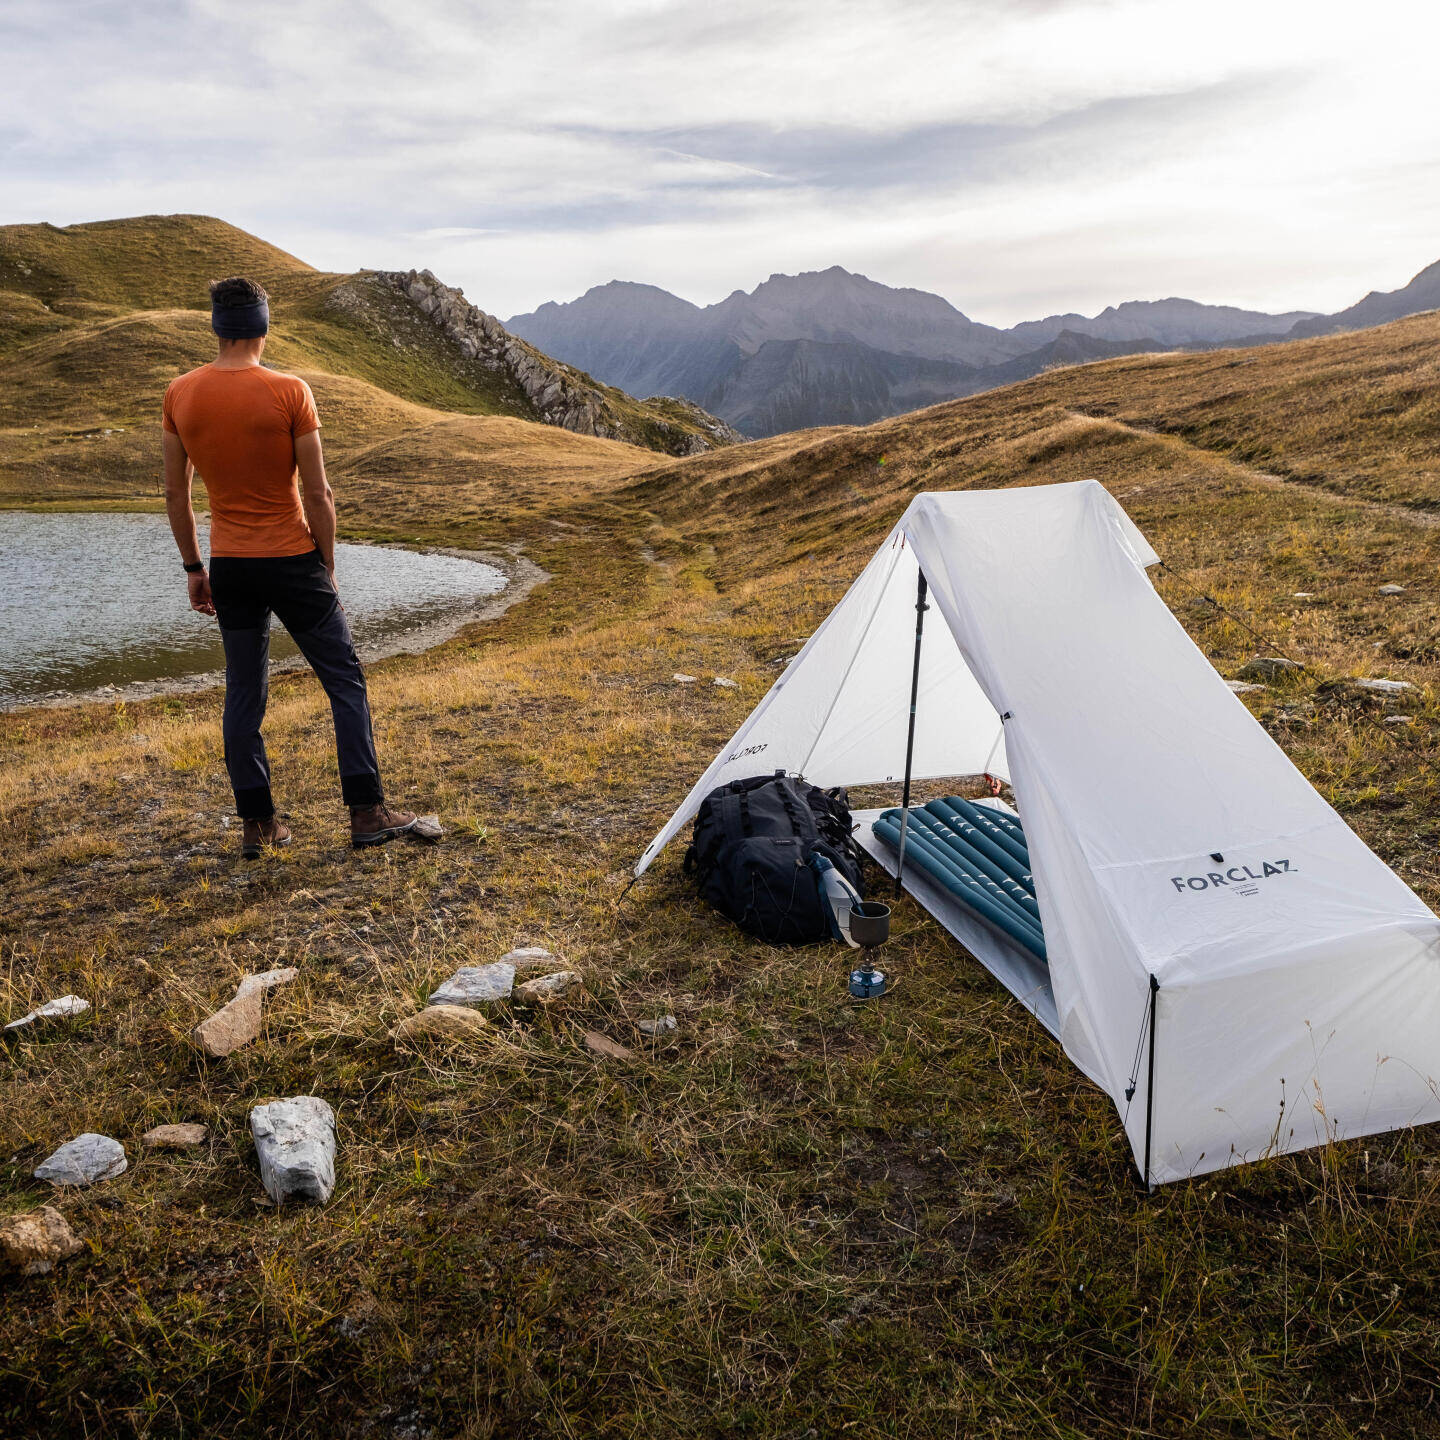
<point x="557" y="393"/>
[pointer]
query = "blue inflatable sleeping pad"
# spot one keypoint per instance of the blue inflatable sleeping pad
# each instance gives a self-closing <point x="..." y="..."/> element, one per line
<point x="978" y="855"/>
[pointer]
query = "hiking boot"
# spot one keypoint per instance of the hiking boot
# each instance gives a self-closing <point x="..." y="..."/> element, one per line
<point x="257" y="834"/>
<point x="375" y="824"/>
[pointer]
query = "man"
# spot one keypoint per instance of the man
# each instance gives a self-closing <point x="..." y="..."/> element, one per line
<point x="249" y="432"/>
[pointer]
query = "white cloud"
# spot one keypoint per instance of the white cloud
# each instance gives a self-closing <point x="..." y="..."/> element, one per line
<point x="1017" y="157"/>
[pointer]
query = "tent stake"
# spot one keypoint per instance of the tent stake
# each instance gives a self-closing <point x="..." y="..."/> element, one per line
<point x="1150" y="1082"/>
<point x="920" y="608"/>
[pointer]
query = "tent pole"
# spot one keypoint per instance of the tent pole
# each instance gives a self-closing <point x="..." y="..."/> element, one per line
<point x="920" y="608"/>
<point x="1150" y="1081"/>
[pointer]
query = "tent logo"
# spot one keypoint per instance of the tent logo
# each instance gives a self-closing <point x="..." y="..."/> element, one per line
<point x="748" y="751"/>
<point x="1239" y="878"/>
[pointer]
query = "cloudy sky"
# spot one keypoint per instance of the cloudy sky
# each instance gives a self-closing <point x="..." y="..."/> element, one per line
<point x="1017" y="156"/>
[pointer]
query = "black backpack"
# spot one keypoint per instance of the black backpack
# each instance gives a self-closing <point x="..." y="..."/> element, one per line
<point x="752" y="855"/>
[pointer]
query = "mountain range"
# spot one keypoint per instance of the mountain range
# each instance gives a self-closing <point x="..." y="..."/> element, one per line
<point x="831" y="347"/>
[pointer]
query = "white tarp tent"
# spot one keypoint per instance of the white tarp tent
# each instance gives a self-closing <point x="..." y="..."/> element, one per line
<point x="1296" y="977"/>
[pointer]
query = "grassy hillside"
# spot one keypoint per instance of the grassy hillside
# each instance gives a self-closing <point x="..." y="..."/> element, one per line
<point x="153" y="262"/>
<point x="796" y="1216"/>
<point x="95" y="320"/>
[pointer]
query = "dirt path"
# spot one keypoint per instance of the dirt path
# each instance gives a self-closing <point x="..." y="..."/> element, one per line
<point x="1405" y="514"/>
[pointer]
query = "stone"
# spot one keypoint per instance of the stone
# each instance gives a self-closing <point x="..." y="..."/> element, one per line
<point x="1385" y="687"/>
<point x="661" y="1025"/>
<point x="727" y="684"/>
<point x="231" y="1026"/>
<point x="1243" y="687"/>
<point x="364" y="1311"/>
<point x="1267" y="667"/>
<point x="528" y="957"/>
<point x="31" y="1243"/>
<point x="428" y="827"/>
<point x="295" y="1144"/>
<point x="175" y="1137"/>
<point x="65" y="1008"/>
<point x="476" y="985"/>
<point x="267" y="980"/>
<point x="1302" y="595"/>
<point x="1392" y="589"/>
<point x="604" y="1045"/>
<point x="238" y="1023"/>
<point x="453" y="1023"/>
<point x="681" y="679"/>
<point x="1399" y="719"/>
<point x="545" y="989"/>
<point x="86" y="1159"/>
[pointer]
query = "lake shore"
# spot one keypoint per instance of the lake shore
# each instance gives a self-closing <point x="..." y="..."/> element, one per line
<point x="522" y="575"/>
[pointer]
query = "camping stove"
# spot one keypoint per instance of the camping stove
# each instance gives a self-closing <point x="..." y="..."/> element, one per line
<point x="869" y="927"/>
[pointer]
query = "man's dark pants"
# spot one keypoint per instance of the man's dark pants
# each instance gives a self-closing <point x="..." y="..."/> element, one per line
<point x="297" y="589"/>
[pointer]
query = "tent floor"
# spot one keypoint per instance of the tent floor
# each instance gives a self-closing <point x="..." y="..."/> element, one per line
<point x="1012" y="965"/>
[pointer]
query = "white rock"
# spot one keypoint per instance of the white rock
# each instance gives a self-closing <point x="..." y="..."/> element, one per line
<point x="295" y="1143"/>
<point x="61" y="1009"/>
<point x="266" y="980"/>
<point x="545" y="988"/>
<point x="476" y="985"/>
<point x="446" y="1024"/>
<point x="604" y="1045"/>
<point x="175" y="1137"/>
<point x="1399" y="720"/>
<point x="1392" y="589"/>
<point x="1385" y="687"/>
<point x="527" y="957"/>
<point x="1242" y="687"/>
<point x="84" y="1160"/>
<point x="661" y="1025"/>
<point x="1302" y="595"/>
<point x="31" y="1243"/>
<point x="238" y="1022"/>
<point x="428" y="827"/>
<point x="727" y="684"/>
<point x="680" y="679"/>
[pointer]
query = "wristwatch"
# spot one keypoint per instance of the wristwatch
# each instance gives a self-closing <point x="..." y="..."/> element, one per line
<point x="196" y="568"/>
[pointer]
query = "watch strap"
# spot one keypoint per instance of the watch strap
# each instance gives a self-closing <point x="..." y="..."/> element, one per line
<point x="196" y="568"/>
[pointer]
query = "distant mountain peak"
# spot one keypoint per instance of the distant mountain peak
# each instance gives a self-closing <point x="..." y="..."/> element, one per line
<point x="1379" y="306"/>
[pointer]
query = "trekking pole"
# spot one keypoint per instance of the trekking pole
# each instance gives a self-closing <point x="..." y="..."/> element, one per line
<point x="920" y="608"/>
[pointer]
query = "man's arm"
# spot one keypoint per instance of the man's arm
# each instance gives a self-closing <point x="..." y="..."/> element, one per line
<point x="318" y="498"/>
<point x="179" y="477"/>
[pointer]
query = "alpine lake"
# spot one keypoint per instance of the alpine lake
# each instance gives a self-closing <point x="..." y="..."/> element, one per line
<point x="94" y="606"/>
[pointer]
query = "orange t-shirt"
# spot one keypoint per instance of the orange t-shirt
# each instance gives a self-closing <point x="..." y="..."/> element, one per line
<point x="239" y="427"/>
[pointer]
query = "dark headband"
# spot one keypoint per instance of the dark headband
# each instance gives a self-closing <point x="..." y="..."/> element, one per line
<point x="240" y="322"/>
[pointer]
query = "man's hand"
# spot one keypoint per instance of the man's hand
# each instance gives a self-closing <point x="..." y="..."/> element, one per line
<point x="199" y="586"/>
<point x="316" y="496"/>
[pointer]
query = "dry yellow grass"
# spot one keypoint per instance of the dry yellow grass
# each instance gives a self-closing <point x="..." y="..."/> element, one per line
<point x="800" y="1217"/>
